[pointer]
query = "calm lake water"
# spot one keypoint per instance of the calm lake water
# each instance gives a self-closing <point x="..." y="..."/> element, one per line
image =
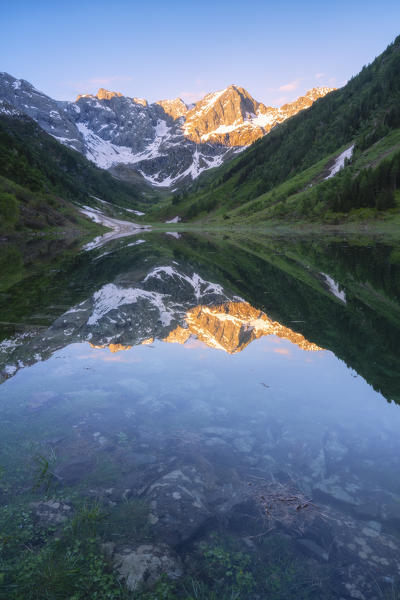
<point x="222" y="410"/>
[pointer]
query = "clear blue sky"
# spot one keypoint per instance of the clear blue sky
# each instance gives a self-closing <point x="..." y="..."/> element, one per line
<point x="160" y="49"/>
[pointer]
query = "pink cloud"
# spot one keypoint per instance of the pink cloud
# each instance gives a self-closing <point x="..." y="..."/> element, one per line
<point x="289" y="87"/>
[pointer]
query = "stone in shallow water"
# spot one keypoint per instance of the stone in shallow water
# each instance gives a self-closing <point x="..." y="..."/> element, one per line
<point x="144" y="565"/>
<point x="178" y="518"/>
<point x="184" y="499"/>
<point x="243" y="444"/>
<point x="50" y="512"/>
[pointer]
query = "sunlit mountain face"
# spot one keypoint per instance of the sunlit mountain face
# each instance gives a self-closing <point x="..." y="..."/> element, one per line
<point x="209" y="393"/>
<point x="232" y="326"/>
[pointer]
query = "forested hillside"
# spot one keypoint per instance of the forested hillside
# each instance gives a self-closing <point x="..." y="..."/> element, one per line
<point x="285" y="174"/>
<point x="39" y="178"/>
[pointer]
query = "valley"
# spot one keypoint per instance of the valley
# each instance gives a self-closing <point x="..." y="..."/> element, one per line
<point x="199" y="302"/>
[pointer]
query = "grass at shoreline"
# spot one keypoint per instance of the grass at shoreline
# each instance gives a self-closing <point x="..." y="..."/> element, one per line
<point x="384" y="227"/>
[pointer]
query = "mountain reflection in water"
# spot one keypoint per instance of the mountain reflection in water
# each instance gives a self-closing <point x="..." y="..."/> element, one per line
<point x="276" y="447"/>
<point x="232" y="326"/>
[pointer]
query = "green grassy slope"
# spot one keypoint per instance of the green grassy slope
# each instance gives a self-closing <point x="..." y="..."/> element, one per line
<point x="281" y="175"/>
<point x="24" y="211"/>
<point x="41" y="178"/>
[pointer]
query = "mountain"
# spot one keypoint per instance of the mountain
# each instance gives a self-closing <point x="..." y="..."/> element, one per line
<point x="174" y="108"/>
<point x="164" y="143"/>
<point x="41" y="180"/>
<point x="232" y="117"/>
<point x="296" y="171"/>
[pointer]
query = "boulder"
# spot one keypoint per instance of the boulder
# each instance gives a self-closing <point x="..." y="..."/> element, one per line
<point x="143" y="566"/>
<point x="178" y="504"/>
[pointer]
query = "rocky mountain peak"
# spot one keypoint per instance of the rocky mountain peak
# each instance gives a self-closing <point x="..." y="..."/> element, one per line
<point x="141" y="101"/>
<point x="175" y="108"/>
<point x="102" y="94"/>
<point x="305" y="101"/>
<point x="318" y="92"/>
<point x="218" y="113"/>
<point x="232" y="117"/>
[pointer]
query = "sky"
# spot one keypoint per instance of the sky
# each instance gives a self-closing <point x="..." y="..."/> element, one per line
<point x="167" y="49"/>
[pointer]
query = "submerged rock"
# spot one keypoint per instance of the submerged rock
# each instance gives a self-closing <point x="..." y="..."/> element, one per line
<point x="244" y="444"/>
<point x="178" y="504"/>
<point x="143" y="566"/>
<point x="183" y="500"/>
<point x="51" y="512"/>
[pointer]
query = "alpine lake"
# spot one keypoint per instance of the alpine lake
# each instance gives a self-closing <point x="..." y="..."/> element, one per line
<point x="200" y="417"/>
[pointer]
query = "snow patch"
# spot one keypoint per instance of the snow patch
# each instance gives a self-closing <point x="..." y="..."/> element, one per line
<point x="264" y="119"/>
<point x="103" y="153"/>
<point x="155" y="179"/>
<point x="334" y="288"/>
<point x="199" y="285"/>
<point x="209" y="100"/>
<point x="339" y="162"/>
<point x="162" y="129"/>
<point x="252" y="121"/>
<point x="222" y="129"/>
<point x="136" y="243"/>
<point x="118" y="228"/>
<point x="65" y="141"/>
<point x="135" y="212"/>
<point x="199" y="164"/>
<point x="10" y="112"/>
<point x="110" y="297"/>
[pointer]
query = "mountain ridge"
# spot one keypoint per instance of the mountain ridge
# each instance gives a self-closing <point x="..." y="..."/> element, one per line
<point x="166" y="143"/>
<point x="319" y="165"/>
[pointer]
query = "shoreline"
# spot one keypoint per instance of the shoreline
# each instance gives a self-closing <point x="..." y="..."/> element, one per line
<point x="117" y="228"/>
